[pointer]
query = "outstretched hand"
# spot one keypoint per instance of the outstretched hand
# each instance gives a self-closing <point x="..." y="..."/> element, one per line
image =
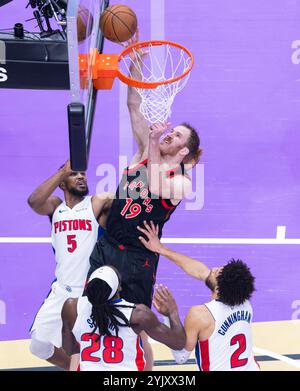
<point x="151" y="232"/>
<point x="163" y="301"/>
<point x="137" y="54"/>
<point x="158" y="129"/>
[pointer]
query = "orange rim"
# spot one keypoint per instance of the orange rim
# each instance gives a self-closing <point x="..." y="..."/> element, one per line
<point x="141" y="84"/>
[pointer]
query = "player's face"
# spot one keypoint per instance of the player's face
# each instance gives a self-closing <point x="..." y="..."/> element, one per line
<point x="76" y="183"/>
<point x="175" y="141"/>
<point x="211" y="280"/>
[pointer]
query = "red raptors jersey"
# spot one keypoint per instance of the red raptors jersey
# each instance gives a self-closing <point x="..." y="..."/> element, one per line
<point x="134" y="203"/>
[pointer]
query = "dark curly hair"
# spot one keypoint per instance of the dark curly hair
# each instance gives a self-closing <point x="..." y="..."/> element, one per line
<point x="235" y="283"/>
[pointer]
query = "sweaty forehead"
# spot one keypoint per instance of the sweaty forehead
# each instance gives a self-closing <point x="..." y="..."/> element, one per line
<point x="183" y="130"/>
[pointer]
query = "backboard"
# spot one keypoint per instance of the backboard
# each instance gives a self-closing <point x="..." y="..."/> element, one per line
<point x="82" y="97"/>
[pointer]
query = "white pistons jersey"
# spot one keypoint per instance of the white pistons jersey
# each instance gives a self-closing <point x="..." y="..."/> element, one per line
<point x="229" y="348"/>
<point x="74" y="235"/>
<point x="122" y="353"/>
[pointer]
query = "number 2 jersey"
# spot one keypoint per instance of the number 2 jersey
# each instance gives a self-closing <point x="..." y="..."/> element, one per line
<point x="229" y="348"/>
<point x="122" y="353"/>
<point x="134" y="203"/>
<point x="74" y="234"/>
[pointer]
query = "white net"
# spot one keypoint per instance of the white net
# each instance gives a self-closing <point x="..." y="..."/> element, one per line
<point x="157" y="63"/>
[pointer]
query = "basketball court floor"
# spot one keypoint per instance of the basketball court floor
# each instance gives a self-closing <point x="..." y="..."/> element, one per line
<point x="243" y="97"/>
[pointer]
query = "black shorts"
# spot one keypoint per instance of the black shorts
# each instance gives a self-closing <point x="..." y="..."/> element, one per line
<point x="137" y="268"/>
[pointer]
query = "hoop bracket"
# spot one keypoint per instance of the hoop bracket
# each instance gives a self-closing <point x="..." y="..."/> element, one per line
<point x="158" y="70"/>
<point x="102" y="68"/>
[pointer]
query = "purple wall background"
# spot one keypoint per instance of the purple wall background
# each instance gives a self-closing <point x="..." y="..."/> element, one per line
<point x="243" y="97"/>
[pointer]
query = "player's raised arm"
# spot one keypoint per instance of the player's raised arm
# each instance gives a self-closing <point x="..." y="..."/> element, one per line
<point x="41" y="200"/>
<point x="102" y="203"/>
<point x="139" y="124"/>
<point x="144" y="319"/>
<point x="191" y="266"/>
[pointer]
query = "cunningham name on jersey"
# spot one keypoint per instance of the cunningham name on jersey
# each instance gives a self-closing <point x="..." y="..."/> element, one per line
<point x="234" y="317"/>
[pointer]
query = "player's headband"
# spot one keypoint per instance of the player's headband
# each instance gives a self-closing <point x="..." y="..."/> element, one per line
<point x="108" y="275"/>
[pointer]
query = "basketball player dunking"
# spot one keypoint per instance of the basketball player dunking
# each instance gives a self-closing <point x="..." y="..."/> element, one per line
<point x="219" y="331"/>
<point x="150" y="189"/>
<point x="75" y="230"/>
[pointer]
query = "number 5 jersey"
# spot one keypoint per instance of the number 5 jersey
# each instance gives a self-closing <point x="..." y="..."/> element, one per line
<point x="74" y="234"/>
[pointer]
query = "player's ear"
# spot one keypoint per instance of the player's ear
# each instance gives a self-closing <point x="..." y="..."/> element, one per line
<point x="216" y="290"/>
<point x="184" y="151"/>
<point x="62" y="186"/>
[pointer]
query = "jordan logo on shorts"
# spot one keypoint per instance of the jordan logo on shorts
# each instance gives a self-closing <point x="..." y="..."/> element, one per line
<point x="146" y="264"/>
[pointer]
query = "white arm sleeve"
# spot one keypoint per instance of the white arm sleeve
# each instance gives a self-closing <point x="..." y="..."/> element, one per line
<point x="180" y="356"/>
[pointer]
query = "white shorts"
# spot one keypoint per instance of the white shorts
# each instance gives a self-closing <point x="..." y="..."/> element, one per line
<point x="47" y="324"/>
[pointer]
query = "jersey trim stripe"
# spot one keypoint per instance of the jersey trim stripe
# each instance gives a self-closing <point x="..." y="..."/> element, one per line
<point x="165" y="205"/>
<point x="139" y="359"/>
<point x="101" y="231"/>
<point x="173" y="170"/>
<point x="42" y="305"/>
<point x="197" y="356"/>
<point x="204" y="351"/>
<point x="128" y="170"/>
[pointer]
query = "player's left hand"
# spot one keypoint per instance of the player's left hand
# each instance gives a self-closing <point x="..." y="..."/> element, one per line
<point x="163" y="301"/>
<point x="151" y="233"/>
<point x="158" y="129"/>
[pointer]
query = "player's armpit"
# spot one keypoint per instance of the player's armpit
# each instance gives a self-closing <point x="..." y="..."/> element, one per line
<point x="102" y="203"/>
<point x="191" y="326"/>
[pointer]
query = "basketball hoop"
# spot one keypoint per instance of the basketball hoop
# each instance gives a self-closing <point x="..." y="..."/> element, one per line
<point x="158" y="70"/>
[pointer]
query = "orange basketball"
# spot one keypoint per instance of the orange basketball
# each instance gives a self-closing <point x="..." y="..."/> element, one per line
<point x="84" y="23"/>
<point x="118" y="23"/>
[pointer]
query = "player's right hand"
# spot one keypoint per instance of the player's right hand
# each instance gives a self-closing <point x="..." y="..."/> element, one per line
<point x="158" y="129"/>
<point x="163" y="301"/>
<point x="151" y="233"/>
<point x="66" y="168"/>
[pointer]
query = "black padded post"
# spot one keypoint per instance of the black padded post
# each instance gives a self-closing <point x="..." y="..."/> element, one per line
<point x="77" y="140"/>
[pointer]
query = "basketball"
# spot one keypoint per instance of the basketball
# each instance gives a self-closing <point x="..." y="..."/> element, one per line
<point x="84" y="23"/>
<point x="118" y="23"/>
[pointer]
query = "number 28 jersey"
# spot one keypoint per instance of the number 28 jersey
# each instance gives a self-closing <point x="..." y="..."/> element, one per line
<point x="74" y="234"/>
<point x="229" y="348"/>
<point x="103" y="352"/>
